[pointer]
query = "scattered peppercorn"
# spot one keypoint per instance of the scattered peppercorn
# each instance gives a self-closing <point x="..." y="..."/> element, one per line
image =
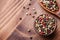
<point x="29" y="30"/>
<point x="33" y="16"/>
<point x="33" y="8"/>
<point x="26" y="13"/>
<point x="24" y="7"/>
<point x="20" y="18"/>
<point x="35" y="12"/>
<point x="29" y="4"/>
<point x="30" y="0"/>
<point x="30" y="14"/>
<point x="31" y="38"/>
<point x="28" y="8"/>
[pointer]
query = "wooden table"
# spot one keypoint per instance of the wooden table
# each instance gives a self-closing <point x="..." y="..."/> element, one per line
<point x="15" y="28"/>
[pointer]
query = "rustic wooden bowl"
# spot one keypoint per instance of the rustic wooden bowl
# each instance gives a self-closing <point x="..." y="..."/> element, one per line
<point x="49" y="33"/>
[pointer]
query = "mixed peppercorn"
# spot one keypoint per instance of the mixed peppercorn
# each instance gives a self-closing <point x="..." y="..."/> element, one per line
<point x="50" y="4"/>
<point x="45" y="24"/>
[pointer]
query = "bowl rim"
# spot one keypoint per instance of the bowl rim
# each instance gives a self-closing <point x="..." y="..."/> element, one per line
<point x="49" y="33"/>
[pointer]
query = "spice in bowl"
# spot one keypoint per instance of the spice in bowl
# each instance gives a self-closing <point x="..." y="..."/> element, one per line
<point x="45" y="24"/>
<point x="50" y="4"/>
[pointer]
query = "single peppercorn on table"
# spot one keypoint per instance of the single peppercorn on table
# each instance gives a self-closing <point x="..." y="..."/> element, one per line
<point x="17" y="18"/>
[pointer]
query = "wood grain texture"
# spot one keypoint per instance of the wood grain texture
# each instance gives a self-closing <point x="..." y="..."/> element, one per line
<point x="12" y="28"/>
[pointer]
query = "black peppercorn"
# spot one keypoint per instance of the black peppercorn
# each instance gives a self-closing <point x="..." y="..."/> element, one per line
<point x="23" y="7"/>
<point x="29" y="4"/>
<point x="31" y="37"/>
<point x="20" y="18"/>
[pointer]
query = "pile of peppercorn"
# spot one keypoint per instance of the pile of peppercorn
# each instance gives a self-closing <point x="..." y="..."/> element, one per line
<point x="45" y="24"/>
<point x="50" y="4"/>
